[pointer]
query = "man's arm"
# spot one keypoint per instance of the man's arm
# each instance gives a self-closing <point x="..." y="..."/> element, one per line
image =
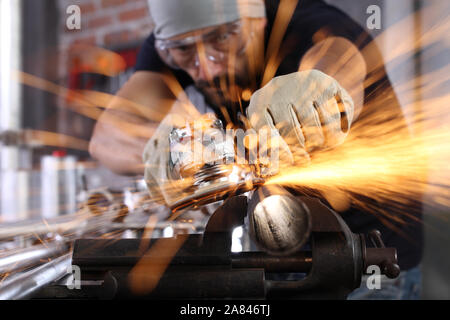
<point x="340" y="59"/>
<point x="125" y="127"/>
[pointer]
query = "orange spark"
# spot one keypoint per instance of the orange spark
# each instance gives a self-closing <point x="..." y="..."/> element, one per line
<point x="147" y="273"/>
<point x="381" y="160"/>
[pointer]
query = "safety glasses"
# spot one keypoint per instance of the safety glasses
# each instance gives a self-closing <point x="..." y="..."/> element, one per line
<point x="215" y="46"/>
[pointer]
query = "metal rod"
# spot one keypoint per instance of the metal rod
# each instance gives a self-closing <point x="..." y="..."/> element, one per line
<point x="279" y="223"/>
<point x="29" y="257"/>
<point x="22" y="286"/>
<point x="79" y="223"/>
<point x="64" y="223"/>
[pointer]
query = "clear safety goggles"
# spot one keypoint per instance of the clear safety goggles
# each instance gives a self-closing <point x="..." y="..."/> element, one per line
<point x="215" y="46"/>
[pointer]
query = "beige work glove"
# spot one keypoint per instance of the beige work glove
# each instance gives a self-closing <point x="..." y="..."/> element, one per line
<point x="309" y="109"/>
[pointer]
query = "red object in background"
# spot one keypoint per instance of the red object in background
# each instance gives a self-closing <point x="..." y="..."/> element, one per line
<point x="59" y="153"/>
<point x="75" y="76"/>
<point x="130" y="56"/>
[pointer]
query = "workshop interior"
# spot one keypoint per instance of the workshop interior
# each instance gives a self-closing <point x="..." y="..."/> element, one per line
<point x="72" y="228"/>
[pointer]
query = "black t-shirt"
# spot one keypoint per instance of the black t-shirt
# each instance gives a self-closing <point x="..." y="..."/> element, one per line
<point x="312" y="21"/>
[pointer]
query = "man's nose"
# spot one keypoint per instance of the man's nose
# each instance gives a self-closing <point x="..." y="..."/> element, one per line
<point x="206" y="68"/>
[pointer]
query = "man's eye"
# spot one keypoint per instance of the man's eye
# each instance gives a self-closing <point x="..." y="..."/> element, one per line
<point x="184" y="48"/>
<point x="223" y="37"/>
<point x="182" y="51"/>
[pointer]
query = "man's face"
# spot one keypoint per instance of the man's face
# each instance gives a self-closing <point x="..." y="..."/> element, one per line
<point x="223" y="60"/>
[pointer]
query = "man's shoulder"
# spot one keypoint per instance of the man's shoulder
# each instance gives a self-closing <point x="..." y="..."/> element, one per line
<point x="312" y="21"/>
<point x="316" y="17"/>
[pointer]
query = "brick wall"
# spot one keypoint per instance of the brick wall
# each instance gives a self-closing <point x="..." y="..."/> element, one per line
<point x="107" y="23"/>
<point x="117" y="25"/>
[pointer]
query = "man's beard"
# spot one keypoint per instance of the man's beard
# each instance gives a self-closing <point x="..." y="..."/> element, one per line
<point x="222" y="90"/>
<point x="223" y="93"/>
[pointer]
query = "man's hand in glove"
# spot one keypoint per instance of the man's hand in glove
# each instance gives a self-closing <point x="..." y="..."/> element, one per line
<point x="309" y="109"/>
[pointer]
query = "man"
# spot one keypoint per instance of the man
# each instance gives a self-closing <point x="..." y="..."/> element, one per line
<point x="300" y="62"/>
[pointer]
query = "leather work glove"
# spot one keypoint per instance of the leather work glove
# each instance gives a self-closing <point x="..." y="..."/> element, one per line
<point x="309" y="109"/>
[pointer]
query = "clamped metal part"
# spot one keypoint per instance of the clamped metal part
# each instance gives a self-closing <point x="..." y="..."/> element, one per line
<point x="279" y="223"/>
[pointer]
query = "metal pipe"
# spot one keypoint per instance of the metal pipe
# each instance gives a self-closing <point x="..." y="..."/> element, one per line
<point x="279" y="223"/>
<point x="38" y="227"/>
<point x="14" y="184"/>
<point x="17" y="260"/>
<point x="74" y="225"/>
<point x="22" y="286"/>
<point x="84" y="223"/>
<point x="10" y="62"/>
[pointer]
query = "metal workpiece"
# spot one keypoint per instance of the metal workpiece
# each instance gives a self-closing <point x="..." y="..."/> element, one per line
<point x="25" y="285"/>
<point x="69" y="226"/>
<point x="87" y="220"/>
<point x="279" y="223"/>
<point x="17" y="260"/>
